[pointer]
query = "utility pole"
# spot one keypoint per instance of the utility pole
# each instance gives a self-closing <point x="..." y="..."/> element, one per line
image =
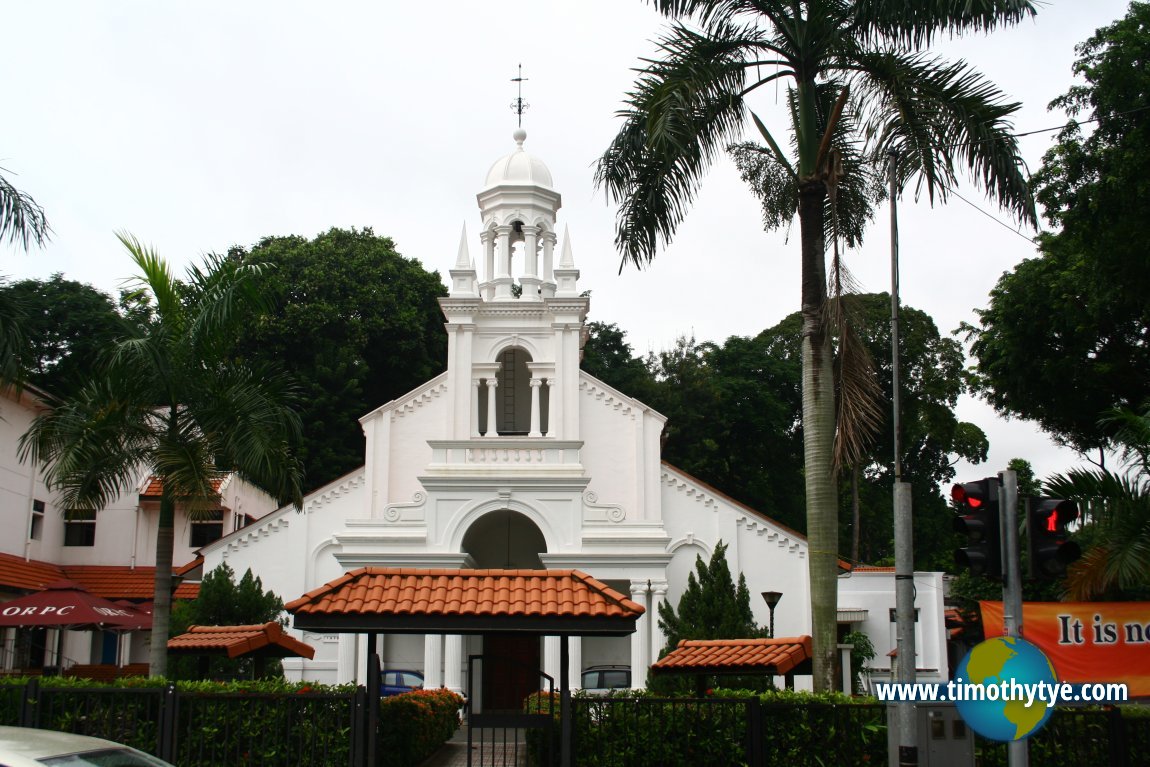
<point x="903" y="520"/>
<point x="1017" y="752"/>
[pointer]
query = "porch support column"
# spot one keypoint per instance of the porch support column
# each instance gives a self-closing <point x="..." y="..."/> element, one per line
<point x="551" y="665"/>
<point x="639" y="638"/>
<point x="575" y="667"/>
<point x="432" y="661"/>
<point x="453" y="662"/>
<point x="345" y="659"/>
<point x="535" y="384"/>
<point x="492" y="386"/>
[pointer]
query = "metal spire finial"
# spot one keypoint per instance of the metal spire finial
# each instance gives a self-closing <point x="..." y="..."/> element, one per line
<point x="519" y="106"/>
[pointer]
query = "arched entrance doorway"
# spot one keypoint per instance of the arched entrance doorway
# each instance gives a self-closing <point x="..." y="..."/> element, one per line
<point x="507" y="540"/>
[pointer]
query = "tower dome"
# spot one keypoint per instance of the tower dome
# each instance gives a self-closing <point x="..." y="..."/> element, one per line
<point x="519" y="168"/>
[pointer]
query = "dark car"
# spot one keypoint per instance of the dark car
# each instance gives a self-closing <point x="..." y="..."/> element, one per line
<point x="601" y="680"/>
<point x="397" y="681"/>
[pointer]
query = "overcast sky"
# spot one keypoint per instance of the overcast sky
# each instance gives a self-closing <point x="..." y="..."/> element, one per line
<point x="199" y="126"/>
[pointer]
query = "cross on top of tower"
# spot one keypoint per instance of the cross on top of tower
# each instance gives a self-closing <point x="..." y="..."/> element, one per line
<point x="519" y="106"/>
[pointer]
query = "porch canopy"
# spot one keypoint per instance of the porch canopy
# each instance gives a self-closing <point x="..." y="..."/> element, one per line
<point x="260" y="641"/>
<point x="67" y="605"/>
<point x="783" y="656"/>
<point x="441" y="601"/>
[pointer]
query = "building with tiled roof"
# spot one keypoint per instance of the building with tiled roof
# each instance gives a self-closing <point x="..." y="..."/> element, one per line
<point x="516" y="459"/>
<point x="110" y="553"/>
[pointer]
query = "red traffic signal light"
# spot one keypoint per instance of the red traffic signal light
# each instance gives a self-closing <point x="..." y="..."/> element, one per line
<point x="1048" y="548"/>
<point x="977" y="503"/>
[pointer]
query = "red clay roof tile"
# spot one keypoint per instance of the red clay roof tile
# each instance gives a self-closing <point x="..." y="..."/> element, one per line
<point x="107" y="581"/>
<point x="155" y="487"/>
<point x="234" y="641"/>
<point x="421" y="592"/>
<point x="720" y="656"/>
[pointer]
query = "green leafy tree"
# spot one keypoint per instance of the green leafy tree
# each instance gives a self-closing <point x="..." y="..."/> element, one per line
<point x="609" y="357"/>
<point x="712" y="607"/>
<point x="22" y="221"/>
<point x="356" y="324"/>
<point x="932" y="437"/>
<point x="224" y="602"/>
<point x="859" y="85"/>
<point x="1066" y="336"/>
<point x="174" y="401"/>
<point x="67" y="327"/>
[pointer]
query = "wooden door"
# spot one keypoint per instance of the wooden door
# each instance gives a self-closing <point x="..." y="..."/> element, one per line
<point x="511" y="665"/>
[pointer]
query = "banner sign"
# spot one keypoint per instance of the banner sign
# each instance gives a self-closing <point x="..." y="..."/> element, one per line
<point x="1086" y="641"/>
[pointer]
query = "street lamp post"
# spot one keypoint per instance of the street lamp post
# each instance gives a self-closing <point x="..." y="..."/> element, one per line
<point x="772" y="598"/>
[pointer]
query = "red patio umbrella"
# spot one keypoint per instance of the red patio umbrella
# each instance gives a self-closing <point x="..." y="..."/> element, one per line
<point x="67" y="605"/>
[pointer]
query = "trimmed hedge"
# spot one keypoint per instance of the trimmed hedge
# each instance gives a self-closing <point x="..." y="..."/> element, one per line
<point x="265" y="722"/>
<point x="414" y="724"/>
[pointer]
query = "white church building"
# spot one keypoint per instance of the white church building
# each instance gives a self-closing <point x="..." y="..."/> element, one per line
<point x="516" y="458"/>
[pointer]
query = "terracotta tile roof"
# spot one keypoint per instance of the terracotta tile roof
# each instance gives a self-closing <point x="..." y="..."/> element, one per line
<point x="729" y="656"/>
<point x="107" y="581"/>
<point x="872" y="569"/>
<point x="16" y="573"/>
<point x="414" y="592"/>
<point x="234" y="641"/>
<point x="155" y="487"/>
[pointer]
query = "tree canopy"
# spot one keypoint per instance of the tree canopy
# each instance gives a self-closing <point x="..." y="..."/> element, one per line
<point x="713" y="605"/>
<point x="171" y="399"/>
<point x="860" y="88"/>
<point x="67" y="326"/>
<point x="222" y="601"/>
<point x="355" y="323"/>
<point x="1066" y="335"/>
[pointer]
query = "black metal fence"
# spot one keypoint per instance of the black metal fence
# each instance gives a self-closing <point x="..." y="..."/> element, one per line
<point x="653" y="732"/>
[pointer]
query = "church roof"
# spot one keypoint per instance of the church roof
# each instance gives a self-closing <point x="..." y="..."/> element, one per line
<point x="519" y="168"/>
<point x="413" y="600"/>
<point x="736" y="656"/>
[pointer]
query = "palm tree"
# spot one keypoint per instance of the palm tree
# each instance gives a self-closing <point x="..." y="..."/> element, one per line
<point x="172" y="400"/>
<point x="21" y="220"/>
<point x="859" y="86"/>
<point x="1116" y="528"/>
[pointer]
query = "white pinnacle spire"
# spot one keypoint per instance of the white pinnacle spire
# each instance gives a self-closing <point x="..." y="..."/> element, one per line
<point x="566" y="260"/>
<point x="463" y="260"/>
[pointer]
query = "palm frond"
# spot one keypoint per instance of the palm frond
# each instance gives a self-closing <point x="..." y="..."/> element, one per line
<point x="683" y="111"/>
<point x="918" y="23"/>
<point x="859" y="398"/>
<point x="1119" y="515"/>
<point x="21" y="217"/>
<point x="155" y="282"/>
<point x="94" y="445"/>
<point x="937" y="115"/>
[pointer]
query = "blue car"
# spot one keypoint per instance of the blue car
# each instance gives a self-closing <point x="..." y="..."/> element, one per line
<point x="398" y="681"/>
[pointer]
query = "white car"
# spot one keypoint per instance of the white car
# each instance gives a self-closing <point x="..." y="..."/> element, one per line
<point x="26" y="747"/>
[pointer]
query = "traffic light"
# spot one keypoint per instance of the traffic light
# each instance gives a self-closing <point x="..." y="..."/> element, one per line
<point x="977" y="504"/>
<point x="1047" y="546"/>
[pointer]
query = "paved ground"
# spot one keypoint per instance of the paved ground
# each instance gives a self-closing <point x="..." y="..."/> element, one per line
<point x="453" y="753"/>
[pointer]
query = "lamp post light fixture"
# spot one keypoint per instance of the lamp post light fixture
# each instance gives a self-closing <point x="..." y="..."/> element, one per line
<point x="772" y="598"/>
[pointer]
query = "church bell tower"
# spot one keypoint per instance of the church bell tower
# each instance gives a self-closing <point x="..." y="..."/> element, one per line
<point x="515" y="336"/>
